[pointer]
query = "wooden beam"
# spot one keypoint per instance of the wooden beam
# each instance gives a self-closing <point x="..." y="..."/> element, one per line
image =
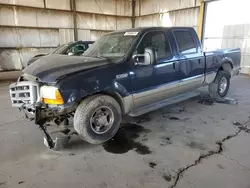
<point x="44" y="3"/>
<point x="73" y="6"/>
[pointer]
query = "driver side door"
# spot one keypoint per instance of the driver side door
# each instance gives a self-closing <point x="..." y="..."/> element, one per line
<point x="153" y="83"/>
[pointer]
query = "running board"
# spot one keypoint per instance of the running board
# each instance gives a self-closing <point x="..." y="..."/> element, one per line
<point x="161" y="104"/>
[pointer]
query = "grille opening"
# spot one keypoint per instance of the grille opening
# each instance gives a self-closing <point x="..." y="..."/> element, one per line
<point x="17" y="102"/>
<point x="20" y="88"/>
<point x="24" y="93"/>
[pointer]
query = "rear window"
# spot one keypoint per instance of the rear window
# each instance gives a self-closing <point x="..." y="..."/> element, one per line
<point x="185" y="41"/>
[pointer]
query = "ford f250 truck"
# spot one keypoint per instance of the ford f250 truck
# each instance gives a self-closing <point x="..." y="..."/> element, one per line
<point x="130" y="72"/>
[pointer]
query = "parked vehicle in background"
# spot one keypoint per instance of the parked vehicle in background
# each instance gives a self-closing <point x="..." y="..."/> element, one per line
<point x="130" y="72"/>
<point x="71" y="48"/>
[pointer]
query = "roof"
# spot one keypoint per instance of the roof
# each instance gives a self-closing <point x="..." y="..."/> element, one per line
<point x="145" y="29"/>
<point x="84" y="41"/>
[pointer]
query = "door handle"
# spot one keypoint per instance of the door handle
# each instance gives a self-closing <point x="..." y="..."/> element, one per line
<point x="175" y="64"/>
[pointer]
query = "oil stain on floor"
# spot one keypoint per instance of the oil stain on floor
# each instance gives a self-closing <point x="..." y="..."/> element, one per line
<point x="152" y="164"/>
<point x="167" y="177"/>
<point x="124" y="140"/>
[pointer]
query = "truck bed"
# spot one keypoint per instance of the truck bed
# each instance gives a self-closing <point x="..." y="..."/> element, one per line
<point x="214" y="59"/>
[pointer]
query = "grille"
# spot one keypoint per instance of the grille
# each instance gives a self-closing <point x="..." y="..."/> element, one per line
<point x="25" y="92"/>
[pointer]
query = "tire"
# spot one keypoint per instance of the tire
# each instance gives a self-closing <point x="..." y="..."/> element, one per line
<point x="215" y="90"/>
<point x="85" y="116"/>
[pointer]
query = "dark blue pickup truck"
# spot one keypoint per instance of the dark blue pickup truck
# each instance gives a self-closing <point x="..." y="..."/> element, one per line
<point x="130" y="72"/>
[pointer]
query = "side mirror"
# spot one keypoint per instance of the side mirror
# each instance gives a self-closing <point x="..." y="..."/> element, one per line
<point x="149" y="57"/>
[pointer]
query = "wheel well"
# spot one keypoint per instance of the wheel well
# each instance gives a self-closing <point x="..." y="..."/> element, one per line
<point x="116" y="96"/>
<point x="226" y="67"/>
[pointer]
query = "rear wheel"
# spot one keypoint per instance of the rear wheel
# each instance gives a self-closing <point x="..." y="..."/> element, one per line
<point x="98" y="118"/>
<point x="219" y="88"/>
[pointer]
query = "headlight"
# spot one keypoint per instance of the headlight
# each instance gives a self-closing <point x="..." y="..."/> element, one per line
<point x="51" y="95"/>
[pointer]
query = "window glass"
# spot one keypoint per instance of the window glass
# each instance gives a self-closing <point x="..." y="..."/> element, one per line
<point x="185" y="42"/>
<point x="60" y="49"/>
<point x="78" y="48"/>
<point x="111" y="45"/>
<point x="156" y="40"/>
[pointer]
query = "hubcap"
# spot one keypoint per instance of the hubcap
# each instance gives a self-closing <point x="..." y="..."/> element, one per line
<point x="223" y="85"/>
<point x="102" y="120"/>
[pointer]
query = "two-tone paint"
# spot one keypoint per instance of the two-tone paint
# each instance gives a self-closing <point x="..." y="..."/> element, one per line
<point x="134" y="86"/>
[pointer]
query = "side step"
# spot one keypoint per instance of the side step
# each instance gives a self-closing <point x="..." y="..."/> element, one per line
<point x="161" y="104"/>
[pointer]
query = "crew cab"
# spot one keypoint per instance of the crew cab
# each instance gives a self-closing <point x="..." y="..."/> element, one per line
<point x="130" y="72"/>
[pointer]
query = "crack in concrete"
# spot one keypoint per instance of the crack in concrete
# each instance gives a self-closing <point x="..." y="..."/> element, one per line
<point x="219" y="150"/>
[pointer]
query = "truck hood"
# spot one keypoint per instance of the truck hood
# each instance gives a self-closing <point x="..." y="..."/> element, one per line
<point x="50" y="68"/>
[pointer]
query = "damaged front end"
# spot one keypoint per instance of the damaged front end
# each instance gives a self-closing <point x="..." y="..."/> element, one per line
<point x="43" y="104"/>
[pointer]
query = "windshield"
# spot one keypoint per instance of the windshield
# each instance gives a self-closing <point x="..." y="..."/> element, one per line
<point x="112" y="45"/>
<point x="60" y="49"/>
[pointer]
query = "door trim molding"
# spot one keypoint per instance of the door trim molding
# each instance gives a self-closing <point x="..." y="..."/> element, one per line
<point x="156" y="93"/>
<point x="155" y="89"/>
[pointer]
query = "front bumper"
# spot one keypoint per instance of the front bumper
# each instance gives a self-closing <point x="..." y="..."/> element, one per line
<point x="25" y="95"/>
<point x="42" y="113"/>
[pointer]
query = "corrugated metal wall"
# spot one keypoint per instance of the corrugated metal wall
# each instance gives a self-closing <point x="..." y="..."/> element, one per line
<point x="29" y="27"/>
<point x="167" y="13"/>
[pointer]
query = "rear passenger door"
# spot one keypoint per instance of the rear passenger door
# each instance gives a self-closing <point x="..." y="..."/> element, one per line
<point x="191" y="59"/>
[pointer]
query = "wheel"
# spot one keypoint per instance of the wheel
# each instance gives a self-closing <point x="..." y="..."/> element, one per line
<point x="97" y="118"/>
<point x="219" y="88"/>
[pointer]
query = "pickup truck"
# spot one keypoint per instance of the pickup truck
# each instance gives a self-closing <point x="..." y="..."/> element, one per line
<point x="72" y="48"/>
<point x="127" y="72"/>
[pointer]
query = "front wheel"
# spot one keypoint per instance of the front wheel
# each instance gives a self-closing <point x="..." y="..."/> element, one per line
<point x="219" y="88"/>
<point x="97" y="119"/>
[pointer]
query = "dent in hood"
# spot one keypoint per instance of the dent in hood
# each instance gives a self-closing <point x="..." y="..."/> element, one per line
<point x="50" y="68"/>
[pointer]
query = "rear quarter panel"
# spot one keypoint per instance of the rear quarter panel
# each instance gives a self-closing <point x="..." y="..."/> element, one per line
<point x="235" y="55"/>
<point x="215" y="59"/>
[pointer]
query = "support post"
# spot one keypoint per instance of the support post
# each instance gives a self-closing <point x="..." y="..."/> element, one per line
<point x="73" y="8"/>
<point x="201" y="19"/>
<point x="133" y="13"/>
<point x="44" y="3"/>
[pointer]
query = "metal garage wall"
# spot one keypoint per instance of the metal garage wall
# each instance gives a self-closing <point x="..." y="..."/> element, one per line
<point x="167" y="13"/>
<point x="188" y="17"/>
<point x="29" y="27"/>
<point x="227" y="25"/>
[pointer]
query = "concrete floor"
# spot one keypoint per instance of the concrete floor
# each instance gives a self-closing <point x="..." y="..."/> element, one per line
<point x="177" y="146"/>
